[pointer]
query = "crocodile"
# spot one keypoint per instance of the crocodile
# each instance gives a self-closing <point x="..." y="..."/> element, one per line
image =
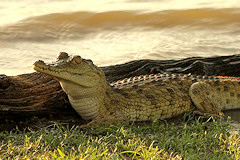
<point x="139" y="98"/>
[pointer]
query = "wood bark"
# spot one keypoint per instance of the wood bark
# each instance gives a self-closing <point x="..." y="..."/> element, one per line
<point x="38" y="95"/>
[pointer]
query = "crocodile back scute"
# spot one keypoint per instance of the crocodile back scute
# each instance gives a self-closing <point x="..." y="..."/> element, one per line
<point x="167" y="77"/>
<point x="143" y="79"/>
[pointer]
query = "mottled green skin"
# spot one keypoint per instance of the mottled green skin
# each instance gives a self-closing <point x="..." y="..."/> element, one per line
<point x="139" y="98"/>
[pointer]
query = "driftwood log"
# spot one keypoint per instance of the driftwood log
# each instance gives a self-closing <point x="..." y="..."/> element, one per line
<point x="31" y="95"/>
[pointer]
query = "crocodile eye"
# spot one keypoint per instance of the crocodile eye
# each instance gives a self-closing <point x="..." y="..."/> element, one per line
<point x="62" y="55"/>
<point x="77" y="59"/>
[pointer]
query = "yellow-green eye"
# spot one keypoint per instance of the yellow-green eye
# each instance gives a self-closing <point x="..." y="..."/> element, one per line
<point x="77" y="59"/>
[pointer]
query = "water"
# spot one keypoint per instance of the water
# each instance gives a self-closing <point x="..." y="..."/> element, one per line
<point x="112" y="32"/>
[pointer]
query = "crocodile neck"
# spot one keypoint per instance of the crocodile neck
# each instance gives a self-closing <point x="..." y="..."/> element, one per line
<point x="87" y="101"/>
<point x="95" y="102"/>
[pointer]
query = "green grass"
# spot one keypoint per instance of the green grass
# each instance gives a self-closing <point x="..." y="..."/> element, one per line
<point x="194" y="139"/>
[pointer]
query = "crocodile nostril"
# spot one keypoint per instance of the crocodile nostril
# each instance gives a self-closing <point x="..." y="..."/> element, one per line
<point x="38" y="62"/>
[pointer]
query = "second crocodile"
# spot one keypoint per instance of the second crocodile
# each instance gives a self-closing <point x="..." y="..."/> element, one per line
<point x="140" y="98"/>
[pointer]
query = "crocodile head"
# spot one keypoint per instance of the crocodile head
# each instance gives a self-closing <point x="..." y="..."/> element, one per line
<point x="73" y="70"/>
<point x="84" y="83"/>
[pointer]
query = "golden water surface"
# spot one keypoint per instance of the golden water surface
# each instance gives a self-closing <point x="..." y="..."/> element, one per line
<point x="115" y="31"/>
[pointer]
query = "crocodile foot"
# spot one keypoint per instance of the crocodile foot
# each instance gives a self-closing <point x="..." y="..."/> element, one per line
<point x="205" y="99"/>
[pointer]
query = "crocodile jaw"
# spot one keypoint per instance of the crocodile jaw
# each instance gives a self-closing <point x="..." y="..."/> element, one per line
<point x="74" y="69"/>
<point x="63" y="74"/>
<point x="40" y="66"/>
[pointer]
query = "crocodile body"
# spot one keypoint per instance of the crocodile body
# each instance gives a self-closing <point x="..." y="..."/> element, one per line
<point x="140" y="98"/>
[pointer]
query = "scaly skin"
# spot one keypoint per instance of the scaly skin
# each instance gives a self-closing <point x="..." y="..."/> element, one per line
<point x="139" y="98"/>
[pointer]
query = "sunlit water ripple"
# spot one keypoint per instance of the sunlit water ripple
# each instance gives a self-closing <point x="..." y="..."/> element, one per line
<point x="116" y="32"/>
